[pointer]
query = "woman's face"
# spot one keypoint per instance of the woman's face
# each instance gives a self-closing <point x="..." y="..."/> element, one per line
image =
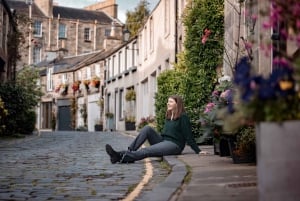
<point x="171" y="105"/>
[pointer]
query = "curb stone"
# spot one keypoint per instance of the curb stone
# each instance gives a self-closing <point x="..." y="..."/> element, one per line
<point x="167" y="189"/>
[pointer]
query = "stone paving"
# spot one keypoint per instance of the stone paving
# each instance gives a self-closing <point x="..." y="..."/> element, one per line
<point x="66" y="166"/>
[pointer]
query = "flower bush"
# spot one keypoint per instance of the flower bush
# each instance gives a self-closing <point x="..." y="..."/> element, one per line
<point x="211" y="123"/>
<point x="150" y="121"/>
<point x="76" y="85"/>
<point x="274" y="97"/>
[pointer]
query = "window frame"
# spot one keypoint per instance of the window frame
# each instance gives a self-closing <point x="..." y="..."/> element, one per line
<point x="62" y="34"/>
<point x="38" y="28"/>
<point x="87" y="32"/>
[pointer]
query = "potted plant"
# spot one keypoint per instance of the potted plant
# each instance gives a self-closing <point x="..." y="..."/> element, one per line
<point x="211" y="122"/>
<point x="86" y="84"/>
<point x="95" y="82"/>
<point x="130" y="123"/>
<point x="130" y="95"/>
<point x="98" y="124"/>
<point x="272" y="102"/>
<point x="243" y="146"/>
<point x="149" y="121"/>
<point x="76" y="85"/>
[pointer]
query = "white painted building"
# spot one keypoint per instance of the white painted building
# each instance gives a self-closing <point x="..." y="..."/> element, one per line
<point x="137" y="64"/>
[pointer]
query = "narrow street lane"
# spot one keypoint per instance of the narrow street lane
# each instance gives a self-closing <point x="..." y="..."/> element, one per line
<point x="66" y="166"/>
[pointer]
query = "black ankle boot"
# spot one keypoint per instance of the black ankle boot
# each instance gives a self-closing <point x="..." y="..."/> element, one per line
<point x="114" y="156"/>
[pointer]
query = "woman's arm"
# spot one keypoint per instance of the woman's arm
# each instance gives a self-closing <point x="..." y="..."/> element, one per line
<point x="186" y="128"/>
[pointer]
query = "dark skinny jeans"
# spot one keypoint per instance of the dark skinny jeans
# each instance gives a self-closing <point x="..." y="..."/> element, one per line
<point x="158" y="146"/>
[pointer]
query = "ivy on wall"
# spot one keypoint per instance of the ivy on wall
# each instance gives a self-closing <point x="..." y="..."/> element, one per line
<point x="195" y="73"/>
<point x="202" y="57"/>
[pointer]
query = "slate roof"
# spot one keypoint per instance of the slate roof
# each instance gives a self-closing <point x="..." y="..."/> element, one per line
<point x="69" y="64"/>
<point x="64" y="12"/>
<point x="22" y="7"/>
<point x="81" y="14"/>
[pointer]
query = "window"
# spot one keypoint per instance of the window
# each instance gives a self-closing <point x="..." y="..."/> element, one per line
<point x="88" y="73"/>
<point x="97" y="70"/>
<point x="167" y="17"/>
<point x="49" y="79"/>
<point x="121" y="106"/>
<point x="87" y="34"/>
<point x="36" y="55"/>
<point x="64" y="78"/>
<point x="37" y="26"/>
<point x="62" y="31"/>
<point x="151" y="34"/>
<point x="107" y="32"/>
<point x="79" y="75"/>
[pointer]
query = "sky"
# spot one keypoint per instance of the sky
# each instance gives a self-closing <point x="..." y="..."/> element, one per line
<point x="123" y="5"/>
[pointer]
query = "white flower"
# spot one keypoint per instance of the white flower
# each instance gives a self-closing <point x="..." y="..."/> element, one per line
<point x="224" y="78"/>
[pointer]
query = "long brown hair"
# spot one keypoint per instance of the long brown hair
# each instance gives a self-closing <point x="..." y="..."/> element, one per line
<point x="180" y="107"/>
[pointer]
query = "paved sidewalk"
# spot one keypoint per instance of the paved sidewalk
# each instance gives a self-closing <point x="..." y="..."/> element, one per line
<point x="213" y="178"/>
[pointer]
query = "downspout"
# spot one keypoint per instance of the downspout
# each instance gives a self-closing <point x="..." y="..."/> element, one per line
<point x="49" y="32"/>
<point x="76" y="41"/>
<point x="57" y="27"/>
<point x="95" y="34"/>
<point x="176" y="30"/>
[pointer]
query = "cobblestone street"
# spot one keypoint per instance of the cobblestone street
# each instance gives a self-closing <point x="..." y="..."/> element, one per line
<point x="66" y="166"/>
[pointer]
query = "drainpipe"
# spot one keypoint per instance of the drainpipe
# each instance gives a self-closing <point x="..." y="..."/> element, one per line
<point x="57" y="27"/>
<point x="176" y="30"/>
<point x="95" y="34"/>
<point x="76" y="40"/>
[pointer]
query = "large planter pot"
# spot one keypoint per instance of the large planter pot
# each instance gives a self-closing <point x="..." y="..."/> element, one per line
<point x="238" y="157"/>
<point x="278" y="161"/>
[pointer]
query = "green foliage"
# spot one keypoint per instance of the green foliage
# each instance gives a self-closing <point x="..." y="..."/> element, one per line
<point x="74" y="109"/>
<point x="53" y="121"/>
<point x="16" y="39"/>
<point x="27" y="78"/>
<point x="84" y="114"/>
<point x="3" y="114"/>
<point x="19" y="105"/>
<point x="130" y="95"/>
<point x="169" y="83"/>
<point x="135" y="19"/>
<point x="28" y="119"/>
<point x="201" y="60"/>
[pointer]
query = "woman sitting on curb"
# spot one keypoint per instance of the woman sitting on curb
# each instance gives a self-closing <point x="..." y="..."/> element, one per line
<point x="176" y="133"/>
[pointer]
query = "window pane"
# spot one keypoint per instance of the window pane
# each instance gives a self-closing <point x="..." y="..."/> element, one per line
<point x="37" y="28"/>
<point x="62" y="31"/>
<point x="87" y="36"/>
<point x="36" y="54"/>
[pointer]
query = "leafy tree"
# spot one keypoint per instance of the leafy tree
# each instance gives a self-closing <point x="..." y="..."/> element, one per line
<point x="20" y="99"/>
<point x="27" y="78"/>
<point x="135" y="19"/>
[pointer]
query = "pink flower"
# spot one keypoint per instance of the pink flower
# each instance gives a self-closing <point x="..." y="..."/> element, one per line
<point x="205" y="36"/>
<point x="225" y="94"/>
<point x="209" y="107"/>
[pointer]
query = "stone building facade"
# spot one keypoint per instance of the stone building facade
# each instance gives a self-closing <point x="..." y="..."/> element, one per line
<point x="7" y="29"/>
<point x="54" y="28"/>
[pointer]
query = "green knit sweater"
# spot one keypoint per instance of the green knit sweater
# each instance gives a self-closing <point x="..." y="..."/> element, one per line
<point x="179" y="131"/>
